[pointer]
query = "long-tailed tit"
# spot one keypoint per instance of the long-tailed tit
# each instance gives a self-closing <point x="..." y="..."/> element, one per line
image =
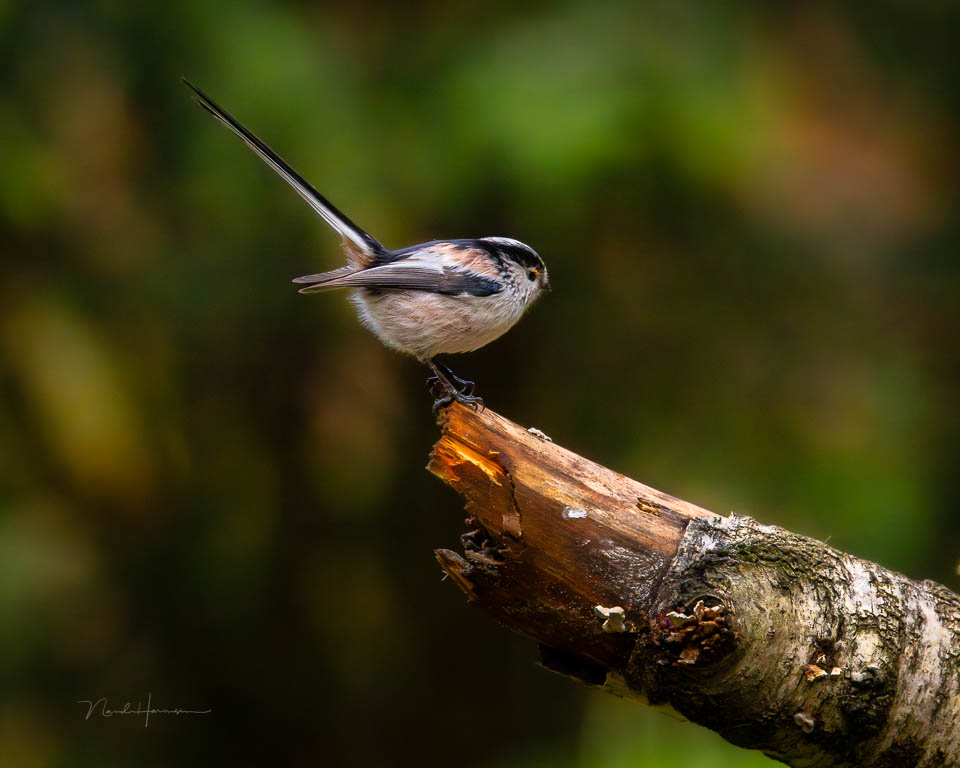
<point x="440" y="297"/>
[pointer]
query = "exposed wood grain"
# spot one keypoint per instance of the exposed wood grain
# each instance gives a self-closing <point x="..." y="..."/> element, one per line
<point x="553" y="535"/>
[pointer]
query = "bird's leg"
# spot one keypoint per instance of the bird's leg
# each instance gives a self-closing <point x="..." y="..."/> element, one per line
<point x="439" y="378"/>
<point x="444" y="378"/>
<point x="433" y="381"/>
<point x="468" y="387"/>
<point x="452" y="393"/>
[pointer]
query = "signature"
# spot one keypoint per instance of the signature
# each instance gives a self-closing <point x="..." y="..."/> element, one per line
<point x="128" y="709"/>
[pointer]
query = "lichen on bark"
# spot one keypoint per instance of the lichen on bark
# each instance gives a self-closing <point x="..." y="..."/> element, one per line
<point x="824" y="660"/>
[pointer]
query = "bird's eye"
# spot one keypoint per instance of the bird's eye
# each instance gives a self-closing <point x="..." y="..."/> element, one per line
<point x="532" y="274"/>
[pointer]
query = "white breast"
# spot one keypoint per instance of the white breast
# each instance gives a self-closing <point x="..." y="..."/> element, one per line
<point x="427" y="324"/>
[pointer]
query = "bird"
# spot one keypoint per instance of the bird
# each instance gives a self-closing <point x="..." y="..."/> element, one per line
<point x="436" y="298"/>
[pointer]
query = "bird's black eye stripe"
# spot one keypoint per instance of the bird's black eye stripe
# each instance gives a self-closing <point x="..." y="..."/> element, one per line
<point x="518" y="254"/>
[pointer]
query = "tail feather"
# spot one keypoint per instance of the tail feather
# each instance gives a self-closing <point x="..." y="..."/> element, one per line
<point x="323" y="281"/>
<point x="326" y="277"/>
<point x="356" y="238"/>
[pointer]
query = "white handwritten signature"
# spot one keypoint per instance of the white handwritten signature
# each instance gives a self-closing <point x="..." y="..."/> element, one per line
<point x="128" y="709"/>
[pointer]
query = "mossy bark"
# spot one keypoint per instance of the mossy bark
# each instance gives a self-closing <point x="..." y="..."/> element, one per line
<point x="826" y="659"/>
<point x="776" y="641"/>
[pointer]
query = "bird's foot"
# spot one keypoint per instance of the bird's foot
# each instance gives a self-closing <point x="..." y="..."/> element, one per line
<point x="451" y="387"/>
<point x="471" y="400"/>
<point x="467" y="390"/>
<point x="468" y="387"/>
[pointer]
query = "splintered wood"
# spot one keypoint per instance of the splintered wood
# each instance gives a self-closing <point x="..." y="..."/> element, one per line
<point x="552" y="536"/>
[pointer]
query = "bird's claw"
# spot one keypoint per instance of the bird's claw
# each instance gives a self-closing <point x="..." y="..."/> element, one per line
<point x="467" y="391"/>
<point x="467" y="387"/>
<point x="464" y="399"/>
<point x="452" y="388"/>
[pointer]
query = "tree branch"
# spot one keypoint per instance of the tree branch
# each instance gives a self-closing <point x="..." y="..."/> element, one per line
<point x="774" y="640"/>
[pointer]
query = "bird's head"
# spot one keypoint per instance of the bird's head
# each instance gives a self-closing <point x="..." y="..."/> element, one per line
<point x="523" y="263"/>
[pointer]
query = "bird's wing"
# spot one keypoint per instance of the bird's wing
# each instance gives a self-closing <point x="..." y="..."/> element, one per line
<point x="409" y="276"/>
<point x="355" y="236"/>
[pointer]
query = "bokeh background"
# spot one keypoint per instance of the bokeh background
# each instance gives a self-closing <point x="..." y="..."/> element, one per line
<point x="212" y="488"/>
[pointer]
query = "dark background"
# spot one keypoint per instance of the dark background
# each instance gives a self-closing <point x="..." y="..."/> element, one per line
<point x="212" y="488"/>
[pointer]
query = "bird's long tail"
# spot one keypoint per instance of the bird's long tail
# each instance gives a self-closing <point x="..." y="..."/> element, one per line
<point x="355" y="238"/>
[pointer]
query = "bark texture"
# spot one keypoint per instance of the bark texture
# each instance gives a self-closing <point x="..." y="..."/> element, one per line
<point x="833" y="660"/>
<point x="774" y="640"/>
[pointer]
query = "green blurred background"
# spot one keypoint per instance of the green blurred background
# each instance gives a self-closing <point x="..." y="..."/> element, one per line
<point x="212" y="488"/>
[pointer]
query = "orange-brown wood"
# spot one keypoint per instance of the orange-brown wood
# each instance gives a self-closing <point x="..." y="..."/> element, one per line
<point x="553" y="535"/>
